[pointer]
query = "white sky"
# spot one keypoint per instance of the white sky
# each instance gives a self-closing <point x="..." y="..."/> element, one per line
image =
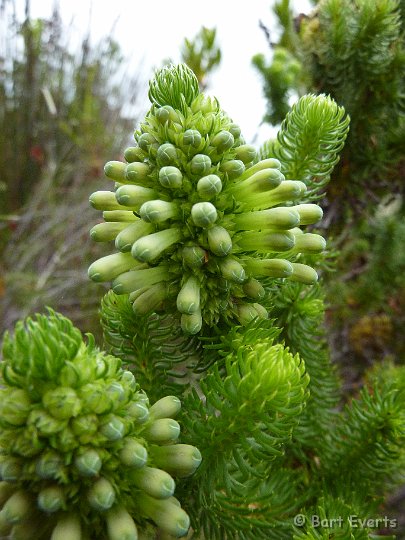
<point x="150" y="31"/>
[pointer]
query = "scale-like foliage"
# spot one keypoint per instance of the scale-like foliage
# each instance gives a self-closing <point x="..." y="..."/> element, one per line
<point x="309" y="141"/>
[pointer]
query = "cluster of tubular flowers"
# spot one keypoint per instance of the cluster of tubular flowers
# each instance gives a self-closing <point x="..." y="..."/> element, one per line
<point x="197" y="221"/>
<point x="82" y="453"/>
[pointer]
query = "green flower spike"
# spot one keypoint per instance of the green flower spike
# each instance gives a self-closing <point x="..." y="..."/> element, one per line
<point x="204" y="220"/>
<point x="82" y="454"/>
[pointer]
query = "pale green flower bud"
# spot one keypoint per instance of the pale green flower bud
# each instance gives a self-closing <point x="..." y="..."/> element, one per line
<point x="246" y="313"/>
<point x="188" y="299"/>
<point x="94" y="399"/>
<point x="233" y="168"/>
<point x="139" y="412"/>
<point x="246" y="153"/>
<point x="304" y="274"/>
<point x="18" y="507"/>
<point x="150" y="247"/>
<point x="162" y="430"/>
<point x="167" y="407"/>
<point x="151" y="299"/>
<point x="115" y="170"/>
<point x="145" y="141"/>
<point x="235" y="130"/>
<point x="51" y="499"/>
<point x="219" y="241"/>
<point x="120" y="525"/>
<point x="265" y="241"/>
<point x="88" y="462"/>
<point x="192" y="137"/>
<point x="167" y="154"/>
<point x="113" y="429"/>
<point x="193" y="256"/>
<point x="120" y="215"/>
<point x="158" y="211"/>
<point x="101" y="495"/>
<point x="134" y="196"/>
<point x="178" y="459"/>
<point x="309" y="243"/>
<point x="105" y="200"/>
<point x="275" y="268"/>
<point x="261" y="311"/>
<point x="232" y="269"/>
<point x="49" y="465"/>
<point x="273" y="218"/>
<point x="170" y="177"/>
<point x="209" y="186"/>
<point x="104" y="232"/>
<point x="223" y="141"/>
<point x="262" y="181"/>
<point x="168" y="516"/>
<point x="67" y="528"/>
<point x="45" y="423"/>
<point x="134" y="153"/>
<point x="136" y="172"/>
<point x="15" y="406"/>
<point x="10" y="468"/>
<point x="254" y="289"/>
<point x="166" y="113"/>
<point x="200" y="164"/>
<point x="85" y="427"/>
<point x="191" y="323"/>
<point x="269" y="163"/>
<point x="133" y="454"/>
<point x="204" y="214"/>
<point x="154" y="482"/>
<point x="111" y="266"/>
<point x="126" y="238"/>
<point x="138" y="279"/>
<point x="309" y="213"/>
<point x="6" y="490"/>
<point x="62" y="402"/>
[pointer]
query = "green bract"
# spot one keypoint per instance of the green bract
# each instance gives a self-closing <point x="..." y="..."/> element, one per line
<point x="202" y="209"/>
<point x="79" y="443"/>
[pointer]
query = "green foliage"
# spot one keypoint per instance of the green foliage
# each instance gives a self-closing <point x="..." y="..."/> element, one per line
<point x="309" y="141"/>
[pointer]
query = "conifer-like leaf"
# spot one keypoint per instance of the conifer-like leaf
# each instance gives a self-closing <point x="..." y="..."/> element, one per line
<point x="309" y="141"/>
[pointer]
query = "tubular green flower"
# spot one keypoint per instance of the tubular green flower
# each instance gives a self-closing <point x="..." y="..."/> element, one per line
<point x="154" y="482"/>
<point x="168" y="516"/>
<point x="104" y="232"/>
<point x="134" y="196"/>
<point x="133" y="454"/>
<point x="128" y="236"/>
<point x="200" y="197"/>
<point x="120" y="525"/>
<point x="115" y="170"/>
<point x="136" y="172"/>
<point x="98" y="448"/>
<point x="158" y="211"/>
<point x="101" y="495"/>
<point x="188" y="299"/>
<point x="148" y="248"/>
